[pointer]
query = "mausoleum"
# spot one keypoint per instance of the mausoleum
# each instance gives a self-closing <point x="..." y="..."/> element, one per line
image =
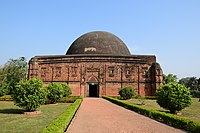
<point x="97" y="64"/>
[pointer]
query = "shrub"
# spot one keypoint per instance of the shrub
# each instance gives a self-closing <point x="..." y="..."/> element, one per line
<point x="54" y="92"/>
<point x="127" y="93"/>
<point x="150" y="97"/>
<point x="173" y="97"/>
<point x="1" y="92"/>
<point x="66" y="90"/>
<point x="28" y="94"/>
<point x="3" y="89"/>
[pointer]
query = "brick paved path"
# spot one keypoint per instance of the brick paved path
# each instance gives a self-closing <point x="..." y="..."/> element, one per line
<point x="96" y="115"/>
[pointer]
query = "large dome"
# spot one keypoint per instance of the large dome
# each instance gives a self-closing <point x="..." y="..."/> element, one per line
<point x="98" y="42"/>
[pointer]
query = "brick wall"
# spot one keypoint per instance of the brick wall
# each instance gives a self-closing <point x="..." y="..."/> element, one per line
<point x="110" y="72"/>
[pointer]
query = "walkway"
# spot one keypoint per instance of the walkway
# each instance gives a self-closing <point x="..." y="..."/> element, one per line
<point x="96" y="115"/>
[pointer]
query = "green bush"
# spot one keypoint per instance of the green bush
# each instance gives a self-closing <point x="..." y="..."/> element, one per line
<point x="170" y="119"/>
<point x="60" y="124"/>
<point x="1" y="92"/>
<point x="3" y="89"/>
<point x="127" y="93"/>
<point x="54" y="92"/>
<point x="28" y="94"/>
<point x="12" y="72"/>
<point x="173" y="97"/>
<point x="66" y="90"/>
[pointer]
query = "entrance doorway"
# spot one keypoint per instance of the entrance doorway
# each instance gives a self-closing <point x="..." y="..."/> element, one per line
<point x="93" y="90"/>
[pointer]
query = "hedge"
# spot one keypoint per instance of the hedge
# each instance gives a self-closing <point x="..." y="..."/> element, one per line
<point x="6" y="98"/>
<point x="150" y="97"/>
<point x="69" y="99"/>
<point x="60" y="124"/>
<point x="169" y="119"/>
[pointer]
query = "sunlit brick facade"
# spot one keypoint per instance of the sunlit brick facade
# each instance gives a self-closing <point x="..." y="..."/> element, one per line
<point x="97" y="64"/>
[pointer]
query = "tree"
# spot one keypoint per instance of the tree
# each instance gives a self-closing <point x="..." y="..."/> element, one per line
<point x="3" y="85"/>
<point x="199" y="83"/>
<point x="193" y="83"/>
<point x="127" y="92"/>
<point x="184" y="81"/>
<point x="173" y="97"/>
<point x="12" y="72"/>
<point x="170" y="78"/>
<point x="28" y="94"/>
<point x="2" y="74"/>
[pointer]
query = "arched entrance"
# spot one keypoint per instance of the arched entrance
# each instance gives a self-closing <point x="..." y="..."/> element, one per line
<point x="93" y="89"/>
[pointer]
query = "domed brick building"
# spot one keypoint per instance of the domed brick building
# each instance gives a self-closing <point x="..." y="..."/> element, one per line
<point x="96" y="64"/>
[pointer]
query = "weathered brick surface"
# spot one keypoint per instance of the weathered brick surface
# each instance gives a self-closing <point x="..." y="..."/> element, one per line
<point x="110" y="72"/>
<point x="100" y="59"/>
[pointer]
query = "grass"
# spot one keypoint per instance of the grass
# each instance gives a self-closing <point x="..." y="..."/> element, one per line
<point x="191" y="112"/>
<point x="13" y="121"/>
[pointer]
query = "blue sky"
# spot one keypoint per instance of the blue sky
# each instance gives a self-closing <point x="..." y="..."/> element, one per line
<point x="169" y="29"/>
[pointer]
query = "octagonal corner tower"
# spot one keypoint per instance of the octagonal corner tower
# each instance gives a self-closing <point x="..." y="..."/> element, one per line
<point x="99" y="43"/>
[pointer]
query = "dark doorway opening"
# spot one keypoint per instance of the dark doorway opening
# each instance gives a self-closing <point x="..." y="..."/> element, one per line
<point x="93" y="90"/>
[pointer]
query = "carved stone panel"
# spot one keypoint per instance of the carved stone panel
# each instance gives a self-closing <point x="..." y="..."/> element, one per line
<point x="43" y="72"/>
<point x="74" y="71"/>
<point x="58" y="72"/>
<point x="127" y="71"/>
<point x="111" y="71"/>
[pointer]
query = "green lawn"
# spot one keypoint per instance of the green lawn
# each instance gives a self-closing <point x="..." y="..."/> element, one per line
<point x="192" y="112"/>
<point x="13" y="121"/>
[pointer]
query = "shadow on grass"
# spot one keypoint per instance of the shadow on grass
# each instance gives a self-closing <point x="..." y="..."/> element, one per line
<point x="11" y="111"/>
